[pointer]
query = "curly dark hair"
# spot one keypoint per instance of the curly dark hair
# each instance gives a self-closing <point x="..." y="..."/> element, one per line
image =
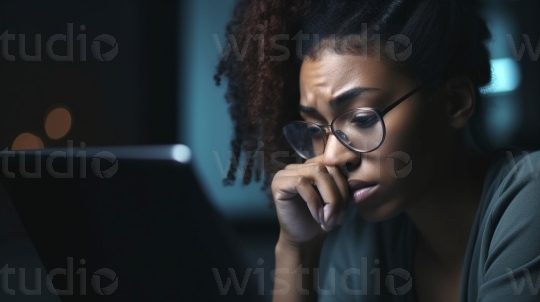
<point x="263" y="83"/>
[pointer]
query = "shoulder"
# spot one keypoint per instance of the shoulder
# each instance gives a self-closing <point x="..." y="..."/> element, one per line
<point x="514" y="181"/>
<point x="510" y="228"/>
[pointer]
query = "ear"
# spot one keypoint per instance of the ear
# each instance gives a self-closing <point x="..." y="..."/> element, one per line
<point x="460" y="96"/>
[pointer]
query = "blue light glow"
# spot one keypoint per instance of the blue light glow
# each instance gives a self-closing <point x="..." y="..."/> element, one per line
<point x="506" y="76"/>
<point x="181" y="153"/>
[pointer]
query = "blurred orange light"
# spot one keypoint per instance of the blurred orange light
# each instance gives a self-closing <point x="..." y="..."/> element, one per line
<point x="27" y="141"/>
<point x="58" y="123"/>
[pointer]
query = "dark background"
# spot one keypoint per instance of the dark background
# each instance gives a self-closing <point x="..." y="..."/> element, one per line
<point x="131" y="99"/>
<point x="159" y="90"/>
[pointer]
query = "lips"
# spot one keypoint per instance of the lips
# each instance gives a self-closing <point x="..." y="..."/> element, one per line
<point x="361" y="189"/>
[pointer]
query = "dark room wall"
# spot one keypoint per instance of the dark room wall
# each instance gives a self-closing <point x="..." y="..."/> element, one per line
<point x="125" y="98"/>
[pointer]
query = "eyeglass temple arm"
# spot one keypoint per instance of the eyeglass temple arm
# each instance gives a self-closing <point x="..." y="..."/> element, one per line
<point x="385" y="111"/>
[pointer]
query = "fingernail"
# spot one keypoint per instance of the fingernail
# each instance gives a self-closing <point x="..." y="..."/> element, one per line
<point x="326" y="228"/>
<point x="326" y="213"/>
<point x="321" y="216"/>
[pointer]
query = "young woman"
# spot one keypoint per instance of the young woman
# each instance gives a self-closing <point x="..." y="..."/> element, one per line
<point x="389" y="202"/>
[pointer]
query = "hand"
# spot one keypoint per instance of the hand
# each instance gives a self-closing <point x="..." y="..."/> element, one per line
<point x="310" y="200"/>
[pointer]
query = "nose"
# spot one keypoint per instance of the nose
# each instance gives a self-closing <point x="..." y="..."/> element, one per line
<point x="336" y="154"/>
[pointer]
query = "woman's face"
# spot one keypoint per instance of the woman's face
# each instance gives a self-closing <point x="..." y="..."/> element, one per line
<point x="411" y="159"/>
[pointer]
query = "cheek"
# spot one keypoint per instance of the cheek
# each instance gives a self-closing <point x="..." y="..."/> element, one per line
<point x="410" y="154"/>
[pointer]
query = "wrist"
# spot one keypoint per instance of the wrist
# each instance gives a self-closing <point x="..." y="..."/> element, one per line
<point x="303" y="249"/>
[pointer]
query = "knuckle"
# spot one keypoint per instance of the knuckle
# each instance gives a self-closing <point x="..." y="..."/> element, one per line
<point x="302" y="181"/>
<point x="277" y="177"/>
<point x="276" y="180"/>
<point x="279" y="173"/>
<point x="319" y="168"/>
<point x="331" y="168"/>
<point x="273" y="186"/>
<point x="290" y="166"/>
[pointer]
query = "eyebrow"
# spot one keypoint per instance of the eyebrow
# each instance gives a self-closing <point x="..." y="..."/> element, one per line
<point x="341" y="99"/>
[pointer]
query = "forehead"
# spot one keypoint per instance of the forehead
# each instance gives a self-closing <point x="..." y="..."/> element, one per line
<point x="332" y="73"/>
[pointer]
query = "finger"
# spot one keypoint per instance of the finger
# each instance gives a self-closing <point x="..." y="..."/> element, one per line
<point x="314" y="160"/>
<point x="308" y="193"/>
<point x="293" y="167"/>
<point x="341" y="182"/>
<point x="343" y="188"/>
<point x="328" y="189"/>
<point x="331" y="186"/>
<point x="306" y="170"/>
<point x="297" y="166"/>
<point x="287" y="188"/>
<point x="326" y="180"/>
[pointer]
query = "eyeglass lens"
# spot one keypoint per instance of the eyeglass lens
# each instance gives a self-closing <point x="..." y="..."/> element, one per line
<point x="361" y="130"/>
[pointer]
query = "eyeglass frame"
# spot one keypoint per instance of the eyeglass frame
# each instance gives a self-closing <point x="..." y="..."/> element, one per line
<point x="380" y="114"/>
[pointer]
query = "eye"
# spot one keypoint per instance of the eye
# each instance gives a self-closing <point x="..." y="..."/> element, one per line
<point x="314" y="132"/>
<point x="364" y="120"/>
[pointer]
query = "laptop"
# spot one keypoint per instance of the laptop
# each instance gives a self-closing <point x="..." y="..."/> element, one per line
<point x="124" y="224"/>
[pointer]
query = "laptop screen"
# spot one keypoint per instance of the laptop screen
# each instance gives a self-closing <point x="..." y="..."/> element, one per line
<point x="121" y="223"/>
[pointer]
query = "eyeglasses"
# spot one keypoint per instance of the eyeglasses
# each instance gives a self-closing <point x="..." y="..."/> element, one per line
<point x="361" y="130"/>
